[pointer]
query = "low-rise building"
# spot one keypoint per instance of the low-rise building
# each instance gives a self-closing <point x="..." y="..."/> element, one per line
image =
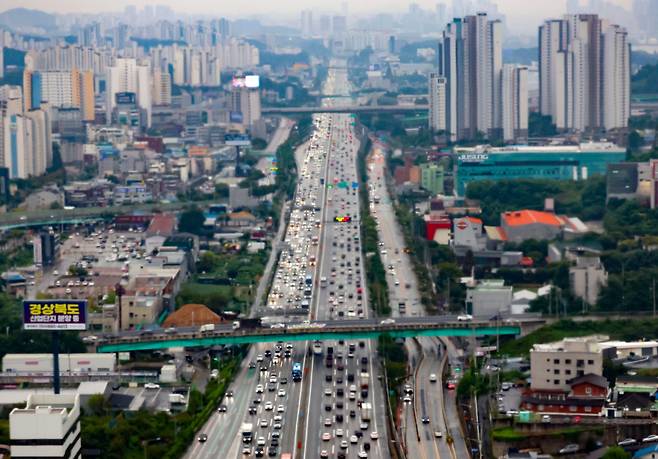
<point x="48" y="426"/>
<point x="489" y="298"/>
<point x="583" y="396"/>
<point x="521" y="225"/>
<point x="587" y="278"/>
<point x="554" y="365"/>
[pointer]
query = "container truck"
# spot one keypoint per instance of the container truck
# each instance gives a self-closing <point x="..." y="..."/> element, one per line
<point x="247" y="431"/>
<point x="366" y="411"/>
<point x="207" y="328"/>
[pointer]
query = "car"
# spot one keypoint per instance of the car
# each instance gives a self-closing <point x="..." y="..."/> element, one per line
<point x="324" y="454"/>
<point x="151" y="386"/>
<point x="546" y="419"/>
<point x="221" y="409"/>
<point x="281" y="393"/>
<point x="627" y="442"/>
<point x="326" y="436"/>
<point x="229" y="393"/>
<point x="339" y="432"/>
<point x="263" y="423"/>
<point x="269" y="406"/>
<point x="280" y="409"/>
<point x="272" y="450"/>
<point x="438" y="434"/>
<point x="387" y="322"/>
<point x="202" y="438"/>
<point x="362" y="454"/>
<point x="327" y="422"/>
<point x="344" y="444"/>
<point x="650" y="438"/>
<point x="570" y="448"/>
<point x="259" y="451"/>
<point x="406" y="399"/>
<point x="432" y="377"/>
<point x="353" y="439"/>
<point x="374" y="435"/>
<point x="260" y="441"/>
<point x="259" y="389"/>
<point x="464" y="318"/>
<point x="246" y="450"/>
<point x="425" y="420"/>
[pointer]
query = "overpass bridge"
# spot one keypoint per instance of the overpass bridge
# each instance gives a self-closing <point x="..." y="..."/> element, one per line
<point x="346" y="109"/>
<point x="224" y="334"/>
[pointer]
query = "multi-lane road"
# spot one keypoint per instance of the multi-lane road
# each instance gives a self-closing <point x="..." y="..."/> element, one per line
<point x="429" y="415"/>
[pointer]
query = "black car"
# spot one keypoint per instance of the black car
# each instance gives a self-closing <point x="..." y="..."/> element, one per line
<point x="271" y="451"/>
<point x="252" y="365"/>
<point x="253" y="410"/>
<point x="274" y="441"/>
<point x="229" y="393"/>
<point x="352" y="413"/>
<point x="339" y="418"/>
<point x="283" y="381"/>
<point x="366" y="446"/>
<point x="259" y="451"/>
<point x="364" y="393"/>
<point x="221" y="408"/>
<point x="340" y="392"/>
<point x="202" y="438"/>
<point x="328" y="377"/>
<point x="358" y="433"/>
<point x="350" y="377"/>
<point x="327" y="407"/>
<point x="364" y="360"/>
<point x="425" y="420"/>
<point x="257" y="401"/>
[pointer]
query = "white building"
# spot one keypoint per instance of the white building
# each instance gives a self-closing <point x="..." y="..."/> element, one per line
<point x="515" y="103"/>
<point x="49" y="426"/>
<point x="437" y="102"/>
<point x="307" y="23"/>
<point x="68" y="363"/>
<point x="584" y="73"/>
<point x="552" y="365"/>
<point x="161" y="88"/>
<point x="587" y="278"/>
<point x="489" y="298"/>
<point x="470" y="59"/>
<point x="127" y="75"/>
<point x="246" y="101"/>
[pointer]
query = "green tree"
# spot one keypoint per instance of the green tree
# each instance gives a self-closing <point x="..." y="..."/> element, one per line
<point x="258" y="144"/>
<point x="616" y="452"/>
<point x="98" y="405"/>
<point x="191" y="221"/>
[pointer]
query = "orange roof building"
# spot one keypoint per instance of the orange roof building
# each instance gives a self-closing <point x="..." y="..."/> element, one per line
<point x="520" y="225"/>
<point x="191" y="315"/>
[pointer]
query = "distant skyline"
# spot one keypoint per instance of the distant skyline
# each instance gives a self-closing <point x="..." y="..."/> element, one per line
<point x="522" y="16"/>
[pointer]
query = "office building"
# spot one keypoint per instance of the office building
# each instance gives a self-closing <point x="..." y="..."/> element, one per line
<point x="560" y="162"/>
<point x="48" y="426"/>
<point x="470" y="59"/>
<point x="46" y="248"/>
<point x="584" y="73"/>
<point x="587" y="278"/>
<point x="515" y="103"/>
<point x="431" y="178"/>
<point x="129" y="76"/>
<point x="552" y="365"/>
<point x="437" y="102"/>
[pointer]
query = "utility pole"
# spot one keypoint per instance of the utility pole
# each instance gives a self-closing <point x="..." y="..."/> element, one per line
<point x="653" y="295"/>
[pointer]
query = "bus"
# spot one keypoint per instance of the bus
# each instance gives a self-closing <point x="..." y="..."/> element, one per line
<point x="296" y="371"/>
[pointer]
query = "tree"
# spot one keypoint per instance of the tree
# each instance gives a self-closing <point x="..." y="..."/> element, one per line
<point x="98" y="405"/>
<point x="191" y="221"/>
<point x="616" y="452"/>
<point x="258" y="144"/>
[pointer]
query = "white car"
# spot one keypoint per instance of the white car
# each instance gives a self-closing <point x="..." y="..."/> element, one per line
<point x="261" y="441"/>
<point x="464" y="317"/>
<point x="264" y="423"/>
<point x="259" y="389"/>
<point x="339" y="432"/>
<point x="374" y="435"/>
<point x="282" y="393"/>
<point x="151" y="386"/>
<point x="353" y="439"/>
<point x="326" y="436"/>
<point x="362" y="454"/>
<point x="387" y="322"/>
<point x="269" y="406"/>
<point x="432" y="377"/>
<point x="280" y="409"/>
<point x="650" y="438"/>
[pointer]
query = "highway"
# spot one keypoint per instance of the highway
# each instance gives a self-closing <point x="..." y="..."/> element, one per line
<point x="429" y="400"/>
<point x="273" y="431"/>
<point x="341" y="386"/>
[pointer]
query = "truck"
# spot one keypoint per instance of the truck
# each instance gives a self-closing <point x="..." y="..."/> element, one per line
<point x="317" y="347"/>
<point x="247" y="431"/>
<point x="207" y="328"/>
<point x="297" y="372"/>
<point x="177" y="399"/>
<point x="366" y="411"/>
<point x="236" y="324"/>
<point x="364" y="379"/>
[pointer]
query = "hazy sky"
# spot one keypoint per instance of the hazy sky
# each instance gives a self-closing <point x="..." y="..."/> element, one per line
<point x="521" y="14"/>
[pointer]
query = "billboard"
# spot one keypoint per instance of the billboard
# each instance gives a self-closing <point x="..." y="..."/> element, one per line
<point x="125" y="98"/>
<point x="252" y="81"/>
<point x="55" y="314"/>
<point x="240" y="140"/>
<point x="235" y="117"/>
<point x="238" y="82"/>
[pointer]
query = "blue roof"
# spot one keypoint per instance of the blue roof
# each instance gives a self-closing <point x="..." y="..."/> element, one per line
<point x="645" y="451"/>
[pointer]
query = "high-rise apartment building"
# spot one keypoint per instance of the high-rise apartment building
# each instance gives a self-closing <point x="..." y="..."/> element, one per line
<point x="470" y="59"/>
<point x="515" y="102"/>
<point x="129" y="76"/>
<point x="584" y="73"/>
<point x="246" y="101"/>
<point x="61" y="89"/>
<point x="307" y="23"/>
<point x="437" y="102"/>
<point x="161" y="88"/>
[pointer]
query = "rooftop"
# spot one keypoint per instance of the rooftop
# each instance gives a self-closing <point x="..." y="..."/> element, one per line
<point x="529" y="217"/>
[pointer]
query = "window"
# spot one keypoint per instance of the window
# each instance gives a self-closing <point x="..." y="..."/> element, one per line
<point x="590" y="362"/>
<point x="588" y="409"/>
<point x="556" y="382"/>
<point x="588" y="390"/>
<point x="572" y="408"/>
<point x="567" y="372"/>
<point x="567" y="361"/>
<point x="556" y="372"/>
<point x="556" y="361"/>
<point x="580" y="373"/>
<point x="580" y="363"/>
